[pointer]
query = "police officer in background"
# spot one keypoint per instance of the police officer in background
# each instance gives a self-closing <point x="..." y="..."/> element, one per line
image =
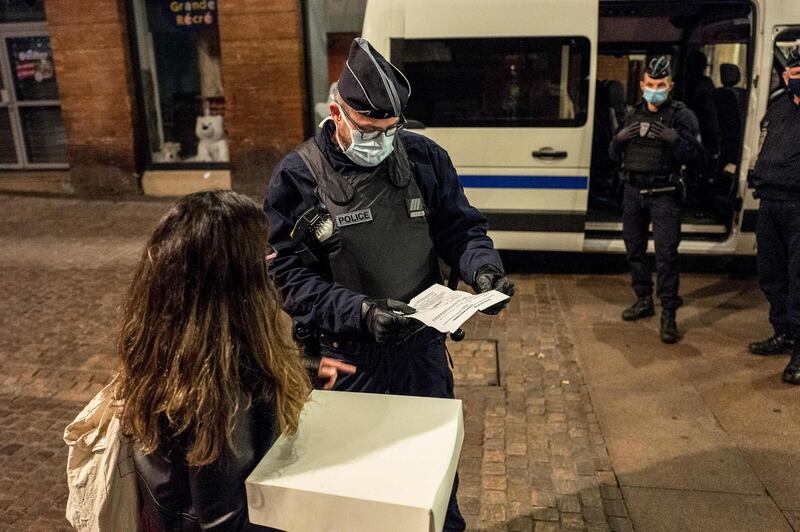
<point x="657" y="138"/>
<point x="359" y="216"/>
<point x="776" y="178"/>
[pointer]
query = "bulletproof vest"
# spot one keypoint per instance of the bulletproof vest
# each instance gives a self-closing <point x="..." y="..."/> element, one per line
<point x="382" y="245"/>
<point x="648" y="155"/>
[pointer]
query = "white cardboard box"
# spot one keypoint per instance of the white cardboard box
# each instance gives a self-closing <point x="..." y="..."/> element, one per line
<point x="361" y="463"/>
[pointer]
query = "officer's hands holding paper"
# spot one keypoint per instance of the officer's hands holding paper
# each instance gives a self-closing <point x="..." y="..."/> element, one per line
<point x="490" y="277"/>
<point x="386" y="320"/>
<point x="446" y="310"/>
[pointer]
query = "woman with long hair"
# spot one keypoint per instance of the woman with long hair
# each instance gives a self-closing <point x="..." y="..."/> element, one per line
<point x="210" y="376"/>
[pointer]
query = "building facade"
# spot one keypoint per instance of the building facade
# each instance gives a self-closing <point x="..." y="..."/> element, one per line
<point x="154" y="96"/>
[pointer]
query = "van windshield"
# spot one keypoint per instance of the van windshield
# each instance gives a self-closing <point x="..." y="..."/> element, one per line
<point x="496" y="82"/>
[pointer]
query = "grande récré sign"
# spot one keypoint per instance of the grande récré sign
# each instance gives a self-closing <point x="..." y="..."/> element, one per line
<point x="192" y="15"/>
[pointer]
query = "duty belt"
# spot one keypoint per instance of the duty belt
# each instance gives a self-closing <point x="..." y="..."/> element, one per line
<point x="650" y="184"/>
<point x="657" y="190"/>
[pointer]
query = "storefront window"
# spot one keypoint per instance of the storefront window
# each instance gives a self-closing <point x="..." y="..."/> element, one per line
<point x="32" y="68"/>
<point x="21" y="11"/>
<point x="181" y="81"/>
<point x="45" y="137"/>
<point x="32" y="133"/>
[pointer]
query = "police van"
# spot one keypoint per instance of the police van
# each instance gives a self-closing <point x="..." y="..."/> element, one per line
<point x="525" y="95"/>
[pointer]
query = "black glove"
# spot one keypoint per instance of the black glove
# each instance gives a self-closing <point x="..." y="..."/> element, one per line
<point x="627" y="133"/>
<point x="664" y="133"/>
<point x="490" y="277"/>
<point x="387" y="321"/>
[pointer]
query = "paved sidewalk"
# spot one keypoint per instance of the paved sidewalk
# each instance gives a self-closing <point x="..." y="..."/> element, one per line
<point x="65" y="265"/>
<point x="533" y="453"/>
<point x="703" y="436"/>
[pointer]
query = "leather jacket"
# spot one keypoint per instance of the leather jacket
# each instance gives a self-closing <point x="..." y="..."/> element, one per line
<point x="212" y="498"/>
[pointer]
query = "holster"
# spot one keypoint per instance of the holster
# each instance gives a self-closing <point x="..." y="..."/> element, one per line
<point x="308" y="340"/>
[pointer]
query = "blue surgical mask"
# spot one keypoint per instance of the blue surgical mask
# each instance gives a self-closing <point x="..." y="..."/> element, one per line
<point x="794" y="86"/>
<point x="366" y="152"/>
<point x="655" y="96"/>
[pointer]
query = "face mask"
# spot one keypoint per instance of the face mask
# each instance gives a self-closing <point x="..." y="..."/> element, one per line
<point x="655" y="96"/>
<point x="366" y="152"/>
<point x="794" y="86"/>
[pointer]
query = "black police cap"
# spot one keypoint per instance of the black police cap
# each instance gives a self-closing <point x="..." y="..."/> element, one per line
<point x="659" y="67"/>
<point x="370" y="84"/>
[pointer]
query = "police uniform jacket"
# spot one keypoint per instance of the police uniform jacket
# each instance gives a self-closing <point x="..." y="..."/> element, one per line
<point x="687" y="149"/>
<point x="776" y="175"/>
<point x="457" y="229"/>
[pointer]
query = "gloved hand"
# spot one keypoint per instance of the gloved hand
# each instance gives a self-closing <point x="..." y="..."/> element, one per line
<point x="489" y="277"/>
<point x="387" y="321"/>
<point x="627" y="133"/>
<point x="663" y="132"/>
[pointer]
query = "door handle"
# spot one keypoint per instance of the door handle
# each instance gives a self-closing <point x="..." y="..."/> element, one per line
<point x="549" y="153"/>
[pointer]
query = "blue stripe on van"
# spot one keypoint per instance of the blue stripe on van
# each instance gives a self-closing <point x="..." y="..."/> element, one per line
<point x="525" y="181"/>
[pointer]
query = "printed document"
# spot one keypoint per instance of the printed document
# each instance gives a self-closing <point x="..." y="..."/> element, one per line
<point x="446" y="310"/>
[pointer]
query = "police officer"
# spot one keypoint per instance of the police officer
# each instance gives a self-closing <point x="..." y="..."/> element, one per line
<point x="656" y="138"/>
<point x="359" y="216"/>
<point x="776" y="178"/>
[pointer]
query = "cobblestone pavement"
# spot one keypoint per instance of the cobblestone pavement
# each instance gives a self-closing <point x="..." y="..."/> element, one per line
<point x="533" y="458"/>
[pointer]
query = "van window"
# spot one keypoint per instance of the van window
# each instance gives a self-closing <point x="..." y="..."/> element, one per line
<point x="496" y="82"/>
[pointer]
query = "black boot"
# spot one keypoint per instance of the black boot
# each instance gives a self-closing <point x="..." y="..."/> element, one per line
<point x="780" y="344"/>
<point x="643" y="308"/>
<point x="669" y="329"/>
<point x="792" y="372"/>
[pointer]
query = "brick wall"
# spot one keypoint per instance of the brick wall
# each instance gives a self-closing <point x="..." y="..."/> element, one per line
<point x="263" y="75"/>
<point x="90" y="50"/>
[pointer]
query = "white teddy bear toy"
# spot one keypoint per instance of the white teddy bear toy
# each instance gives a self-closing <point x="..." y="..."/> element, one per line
<point x="212" y="145"/>
<point x="168" y="154"/>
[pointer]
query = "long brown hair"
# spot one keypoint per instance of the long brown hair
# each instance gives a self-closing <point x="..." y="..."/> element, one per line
<point x="203" y="335"/>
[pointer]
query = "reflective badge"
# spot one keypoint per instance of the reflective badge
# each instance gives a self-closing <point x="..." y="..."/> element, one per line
<point x="353" y="218"/>
<point x="416" y="208"/>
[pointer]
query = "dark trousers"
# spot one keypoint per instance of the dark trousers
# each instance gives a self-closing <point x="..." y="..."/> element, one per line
<point x="418" y="366"/>
<point x="778" y="238"/>
<point x="663" y="211"/>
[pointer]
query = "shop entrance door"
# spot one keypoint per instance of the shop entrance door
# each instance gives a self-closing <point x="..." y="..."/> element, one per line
<point x="32" y="134"/>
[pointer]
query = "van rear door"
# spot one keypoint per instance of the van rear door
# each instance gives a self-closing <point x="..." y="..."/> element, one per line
<point x="506" y="87"/>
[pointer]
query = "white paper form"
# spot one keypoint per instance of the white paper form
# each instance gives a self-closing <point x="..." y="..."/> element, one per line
<point x="446" y="310"/>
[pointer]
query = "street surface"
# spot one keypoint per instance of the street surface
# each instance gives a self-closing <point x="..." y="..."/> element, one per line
<point x="574" y="419"/>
